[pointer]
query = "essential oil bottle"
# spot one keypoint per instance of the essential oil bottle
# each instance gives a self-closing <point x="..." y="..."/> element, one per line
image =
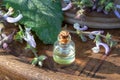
<point x="64" y="49"/>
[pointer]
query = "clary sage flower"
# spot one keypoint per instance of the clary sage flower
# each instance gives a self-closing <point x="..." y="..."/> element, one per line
<point x="69" y="6"/>
<point x="96" y="49"/>
<point x="91" y="36"/>
<point x="116" y="11"/>
<point x="97" y="32"/>
<point x="79" y="28"/>
<point x="5" y="39"/>
<point x="9" y="19"/>
<point x="29" y="38"/>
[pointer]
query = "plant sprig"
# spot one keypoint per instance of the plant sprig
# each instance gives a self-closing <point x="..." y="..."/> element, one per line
<point x="31" y="45"/>
<point x="108" y="37"/>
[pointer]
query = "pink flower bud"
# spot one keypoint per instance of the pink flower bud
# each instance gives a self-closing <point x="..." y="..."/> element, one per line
<point x="5" y="45"/>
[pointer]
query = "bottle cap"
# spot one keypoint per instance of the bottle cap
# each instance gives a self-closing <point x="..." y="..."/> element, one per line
<point x="64" y="37"/>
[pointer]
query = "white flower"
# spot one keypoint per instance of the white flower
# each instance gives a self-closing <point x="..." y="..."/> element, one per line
<point x="14" y="20"/>
<point x="95" y="49"/>
<point x="11" y="19"/>
<point x="29" y="38"/>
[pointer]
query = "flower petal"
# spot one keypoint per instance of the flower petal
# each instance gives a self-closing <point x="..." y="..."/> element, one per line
<point x="77" y="27"/>
<point x="14" y="20"/>
<point x="69" y="6"/>
<point x="29" y="38"/>
<point x="107" y="49"/>
<point x="97" y="32"/>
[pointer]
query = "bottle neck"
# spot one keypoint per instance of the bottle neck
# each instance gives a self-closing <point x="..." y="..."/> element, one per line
<point x="64" y="41"/>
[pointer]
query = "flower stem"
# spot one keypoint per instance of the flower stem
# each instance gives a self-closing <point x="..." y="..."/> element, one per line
<point x="87" y="33"/>
<point x="34" y="52"/>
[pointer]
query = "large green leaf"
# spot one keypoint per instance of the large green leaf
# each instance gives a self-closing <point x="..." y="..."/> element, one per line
<point x="44" y="16"/>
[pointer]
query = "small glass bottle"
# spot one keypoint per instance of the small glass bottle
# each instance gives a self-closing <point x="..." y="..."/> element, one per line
<point x="64" y="49"/>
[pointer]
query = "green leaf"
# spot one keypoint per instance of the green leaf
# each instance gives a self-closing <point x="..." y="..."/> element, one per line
<point x="34" y="61"/>
<point x="43" y="16"/>
<point x="97" y="38"/>
<point x="28" y="46"/>
<point x="42" y="57"/>
<point x="19" y="35"/>
<point x="109" y="6"/>
<point x="108" y="38"/>
<point x="113" y="43"/>
<point x="7" y="6"/>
